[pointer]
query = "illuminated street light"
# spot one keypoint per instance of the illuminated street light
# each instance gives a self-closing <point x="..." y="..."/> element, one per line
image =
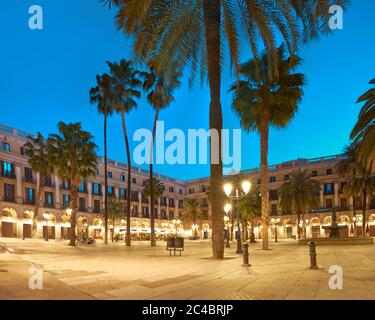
<point x="237" y="195"/>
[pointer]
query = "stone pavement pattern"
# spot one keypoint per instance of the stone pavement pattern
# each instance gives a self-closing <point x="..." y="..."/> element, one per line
<point x="141" y="272"/>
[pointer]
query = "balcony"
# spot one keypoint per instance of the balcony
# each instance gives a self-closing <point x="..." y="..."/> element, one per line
<point x="9" y="198"/>
<point x="49" y="205"/>
<point x="8" y="174"/>
<point x="29" y="180"/>
<point x="29" y="201"/>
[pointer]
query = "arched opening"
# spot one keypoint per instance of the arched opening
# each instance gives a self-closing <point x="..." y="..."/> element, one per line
<point x="49" y="230"/>
<point x="27" y="224"/>
<point x="97" y="228"/>
<point x="315" y="227"/>
<point x="344" y="221"/>
<point x="8" y="218"/>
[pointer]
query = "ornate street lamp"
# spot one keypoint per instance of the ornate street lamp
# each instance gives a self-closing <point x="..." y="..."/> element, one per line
<point x="275" y="223"/>
<point x="227" y="208"/>
<point x="176" y="224"/>
<point x="235" y="196"/>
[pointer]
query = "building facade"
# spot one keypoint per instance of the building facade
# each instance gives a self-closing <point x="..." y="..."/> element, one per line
<point x="19" y="185"/>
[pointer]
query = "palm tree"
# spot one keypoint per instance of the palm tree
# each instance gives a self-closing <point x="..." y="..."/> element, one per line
<point x="40" y="161"/>
<point x="299" y="194"/>
<point x="362" y="183"/>
<point x="193" y="32"/>
<point x="193" y="209"/>
<point x="160" y="86"/>
<point x="364" y="131"/>
<point x="116" y="212"/>
<point x="73" y="154"/>
<point x="125" y="85"/>
<point x="347" y="167"/>
<point x="102" y="95"/>
<point x="251" y="208"/>
<point x="266" y="98"/>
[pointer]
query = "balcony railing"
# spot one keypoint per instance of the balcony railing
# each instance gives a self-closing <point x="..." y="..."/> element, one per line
<point x="29" y="201"/>
<point x="8" y="174"/>
<point x="49" y="205"/>
<point x="9" y="199"/>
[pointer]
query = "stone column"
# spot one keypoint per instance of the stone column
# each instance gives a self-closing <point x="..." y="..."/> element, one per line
<point x="336" y="197"/>
<point x="322" y="196"/>
<point x="19" y="198"/>
<point x="89" y="199"/>
<point x="57" y="193"/>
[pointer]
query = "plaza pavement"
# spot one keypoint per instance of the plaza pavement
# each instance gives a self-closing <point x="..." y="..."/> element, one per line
<point x="142" y="272"/>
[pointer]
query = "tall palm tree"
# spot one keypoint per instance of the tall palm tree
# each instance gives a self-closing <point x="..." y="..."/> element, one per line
<point x="347" y="167"/>
<point x="299" y="194"/>
<point x="116" y="212"/>
<point x="193" y="209"/>
<point x="40" y="162"/>
<point x="362" y="183"/>
<point x="193" y="32"/>
<point x="251" y="208"/>
<point x="102" y="95"/>
<point x="125" y="90"/>
<point x="267" y="98"/>
<point x="73" y="154"/>
<point x="364" y="131"/>
<point x="160" y="86"/>
<point x="155" y="188"/>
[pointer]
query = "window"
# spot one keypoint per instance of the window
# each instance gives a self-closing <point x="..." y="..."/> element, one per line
<point x="134" y="180"/>
<point x="314" y="173"/>
<point x="274" y="209"/>
<point x="259" y="181"/>
<point x="163" y="201"/>
<point x="82" y="187"/>
<point x="96" y="189"/>
<point x="191" y="190"/>
<point x="24" y="152"/>
<point x="273" y="195"/>
<point x="81" y="204"/>
<point x="110" y="191"/>
<point x="286" y="177"/>
<point x="134" y="196"/>
<point x="171" y="202"/>
<point x="344" y="204"/>
<point x="96" y="206"/>
<point x="5" y="146"/>
<point x="122" y="193"/>
<point x="329" y="172"/>
<point x="203" y="189"/>
<point x="145" y="212"/>
<point x="66" y="200"/>
<point x="109" y="174"/>
<point x="180" y="191"/>
<point x="328" y="188"/>
<point x="8" y="169"/>
<point x="122" y="178"/>
<point x="47" y="181"/>
<point x="180" y="203"/>
<point x="134" y="211"/>
<point x="28" y="174"/>
<point x="48" y="199"/>
<point x="9" y="194"/>
<point x="329" y="203"/>
<point x="272" y="179"/>
<point x="171" y="189"/>
<point x="30" y="196"/>
<point x="97" y="172"/>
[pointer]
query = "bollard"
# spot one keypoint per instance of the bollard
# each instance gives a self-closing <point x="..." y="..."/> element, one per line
<point x="313" y="263"/>
<point x="245" y="255"/>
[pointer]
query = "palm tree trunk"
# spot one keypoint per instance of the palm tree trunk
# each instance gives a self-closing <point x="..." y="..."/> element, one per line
<point x="128" y="200"/>
<point x="195" y="229"/>
<point x="74" y="186"/>
<point x="298" y="226"/>
<point x="264" y="133"/>
<point x="211" y="9"/>
<point x="153" y="241"/>
<point x="364" y="213"/>
<point x="37" y="204"/>
<point x="105" y="182"/>
<point x="252" y="235"/>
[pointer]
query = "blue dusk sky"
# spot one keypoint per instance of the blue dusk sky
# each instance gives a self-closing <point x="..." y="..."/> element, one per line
<point x="46" y="75"/>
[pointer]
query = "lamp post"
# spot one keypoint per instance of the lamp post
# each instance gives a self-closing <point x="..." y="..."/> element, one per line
<point x="275" y="223"/>
<point x="235" y="196"/>
<point x="176" y="224"/>
<point x="227" y="208"/>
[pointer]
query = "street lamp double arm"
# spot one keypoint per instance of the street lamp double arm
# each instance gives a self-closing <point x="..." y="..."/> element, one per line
<point x="235" y="194"/>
